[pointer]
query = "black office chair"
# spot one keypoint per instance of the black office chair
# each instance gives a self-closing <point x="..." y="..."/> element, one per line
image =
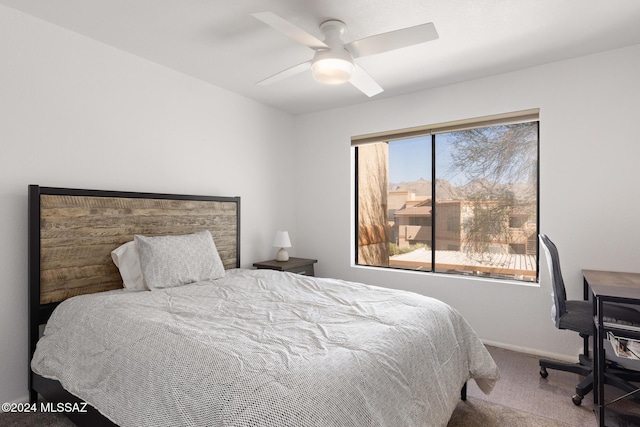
<point x="577" y="316"/>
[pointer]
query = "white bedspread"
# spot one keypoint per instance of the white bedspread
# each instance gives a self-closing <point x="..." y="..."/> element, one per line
<point x="264" y="348"/>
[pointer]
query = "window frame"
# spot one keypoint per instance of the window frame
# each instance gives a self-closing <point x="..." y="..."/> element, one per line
<point x="524" y="116"/>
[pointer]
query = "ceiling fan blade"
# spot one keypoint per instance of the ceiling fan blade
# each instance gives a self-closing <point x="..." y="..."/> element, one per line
<point x="290" y="30"/>
<point x="296" y="69"/>
<point x="392" y="40"/>
<point x="364" y="82"/>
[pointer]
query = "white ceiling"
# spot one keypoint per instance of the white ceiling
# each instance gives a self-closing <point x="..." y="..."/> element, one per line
<point x="218" y="41"/>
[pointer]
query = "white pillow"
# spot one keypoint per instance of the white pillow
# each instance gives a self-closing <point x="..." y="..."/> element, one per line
<point x="168" y="261"/>
<point x="125" y="257"/>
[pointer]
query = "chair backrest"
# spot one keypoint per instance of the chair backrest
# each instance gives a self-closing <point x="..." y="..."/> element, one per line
<point x="559" y="294"/>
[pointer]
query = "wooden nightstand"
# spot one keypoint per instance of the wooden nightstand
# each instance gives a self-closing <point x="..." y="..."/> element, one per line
<point x="294" y="265"/>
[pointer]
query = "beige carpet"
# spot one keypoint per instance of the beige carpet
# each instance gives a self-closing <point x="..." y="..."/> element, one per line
<point x="479" y="413"/>
<point x="521" y="388"/>
<point x="38" y="419"/>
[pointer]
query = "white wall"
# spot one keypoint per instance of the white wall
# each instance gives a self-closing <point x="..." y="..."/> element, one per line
<point x="77" y="113"/>
<point x="589" y="188"/>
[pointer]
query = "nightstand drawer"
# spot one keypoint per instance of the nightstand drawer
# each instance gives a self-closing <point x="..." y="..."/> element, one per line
<point x="306" y="270"/>
<point x="294" y="265"/>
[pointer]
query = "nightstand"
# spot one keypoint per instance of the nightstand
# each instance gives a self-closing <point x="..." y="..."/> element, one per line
<point x="294" y="265"/>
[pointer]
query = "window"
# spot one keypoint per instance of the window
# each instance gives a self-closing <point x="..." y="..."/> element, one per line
<point x="455" y="198"/>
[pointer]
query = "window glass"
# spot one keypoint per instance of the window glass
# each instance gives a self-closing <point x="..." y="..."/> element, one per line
<point x="462" y="202"/>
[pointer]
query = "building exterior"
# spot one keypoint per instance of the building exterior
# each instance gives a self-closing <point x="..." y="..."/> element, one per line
<point x="511" y="230"/>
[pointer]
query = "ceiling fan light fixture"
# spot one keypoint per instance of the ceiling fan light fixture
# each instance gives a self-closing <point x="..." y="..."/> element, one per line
<point x="332" y="66"/>
<point x="332" y="71"/>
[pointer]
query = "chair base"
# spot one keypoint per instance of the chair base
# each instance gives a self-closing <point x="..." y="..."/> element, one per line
<point x="620" y="378"/>
<point x="583" y="368"/>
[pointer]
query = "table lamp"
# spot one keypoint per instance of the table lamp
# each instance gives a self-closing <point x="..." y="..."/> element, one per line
<point x="282" y="241"/>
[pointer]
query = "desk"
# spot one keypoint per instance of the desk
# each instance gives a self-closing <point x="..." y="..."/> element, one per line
<point x="607" y="286"/>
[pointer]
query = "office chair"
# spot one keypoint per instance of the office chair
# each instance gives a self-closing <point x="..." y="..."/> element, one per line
<point x="577" y="316"/>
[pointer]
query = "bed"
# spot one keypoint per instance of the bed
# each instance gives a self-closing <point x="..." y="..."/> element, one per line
<point x="235" y="347"/>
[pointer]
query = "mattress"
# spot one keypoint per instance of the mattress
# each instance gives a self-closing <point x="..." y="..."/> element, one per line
<point x="264" y="348"/>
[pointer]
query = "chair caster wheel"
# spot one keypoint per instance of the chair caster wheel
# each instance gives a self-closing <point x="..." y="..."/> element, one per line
<point x="577" y="399"/>
<point x="543" y="372"/>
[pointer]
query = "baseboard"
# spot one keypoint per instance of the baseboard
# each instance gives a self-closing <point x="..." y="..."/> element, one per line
<point x="532" y="351"/>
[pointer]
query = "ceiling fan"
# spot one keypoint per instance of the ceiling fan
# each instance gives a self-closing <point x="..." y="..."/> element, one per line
<point x="333" y="61"/>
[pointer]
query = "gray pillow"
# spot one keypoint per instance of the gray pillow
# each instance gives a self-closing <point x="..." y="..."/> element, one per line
<point x="168" y="261"/>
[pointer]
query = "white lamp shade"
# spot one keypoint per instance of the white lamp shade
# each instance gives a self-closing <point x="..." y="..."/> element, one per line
<point x="282" y="240"/>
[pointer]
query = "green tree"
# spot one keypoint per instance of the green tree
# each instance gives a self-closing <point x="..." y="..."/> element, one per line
<point x="500" y="163"/>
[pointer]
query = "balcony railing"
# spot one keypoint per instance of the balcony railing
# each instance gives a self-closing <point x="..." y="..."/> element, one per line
<point x="492" y="265"/>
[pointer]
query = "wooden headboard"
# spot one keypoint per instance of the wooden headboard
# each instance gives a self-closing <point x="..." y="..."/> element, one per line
<point x="72" y="233"/>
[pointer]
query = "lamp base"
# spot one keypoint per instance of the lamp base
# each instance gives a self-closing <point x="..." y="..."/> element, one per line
<point x="282" y="255"/>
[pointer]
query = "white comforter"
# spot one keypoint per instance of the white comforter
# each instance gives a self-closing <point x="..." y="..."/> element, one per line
<point x="264" y="348"/>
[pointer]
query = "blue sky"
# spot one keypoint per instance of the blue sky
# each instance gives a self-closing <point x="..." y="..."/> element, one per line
<point x="410" y="159"/>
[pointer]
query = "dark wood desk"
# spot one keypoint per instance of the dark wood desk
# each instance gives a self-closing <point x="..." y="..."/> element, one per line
<point x="607" y="286"/>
